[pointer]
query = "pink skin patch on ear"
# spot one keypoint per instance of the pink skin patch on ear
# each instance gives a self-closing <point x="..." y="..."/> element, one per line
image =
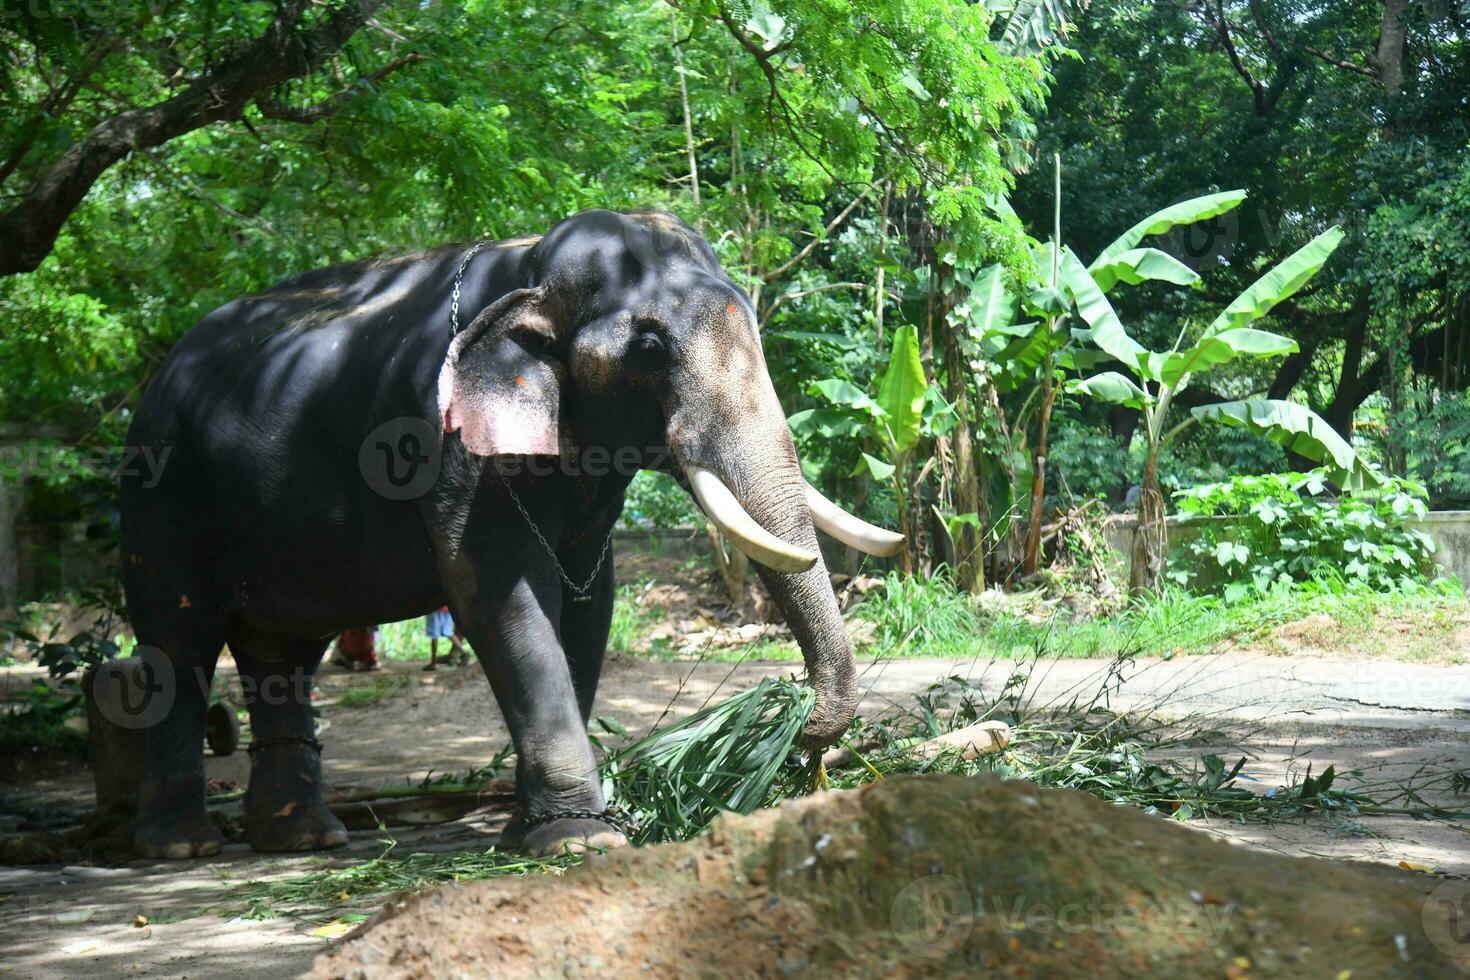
<point x="508" y="434"/>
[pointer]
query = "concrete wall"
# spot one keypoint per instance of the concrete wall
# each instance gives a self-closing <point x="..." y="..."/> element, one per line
<point x="683" y="543"/>
<point x="1450" y="530"/>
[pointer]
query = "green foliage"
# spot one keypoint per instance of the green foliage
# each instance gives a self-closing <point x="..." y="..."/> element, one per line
<point x="731" y="755"/>
<point x="1238" y="95"/>
<point x="1161" y="376"/>
<point x="362" y="887"/>
<point x="39" y="723"/>
<point x="1129" y="759"/>
<point x="630" y="619"/>
<point x="1298" y="429"/>
<point x="374" y="690"/>
<point x="1086" y="462"/>
<point x="1253" y="532"/>
<point x="655" y="500"/>
<point x="929" y="616"/>
<point x="905" y="409"/>
<point x="901" y="396"/>
<point x="1434" y="432"/>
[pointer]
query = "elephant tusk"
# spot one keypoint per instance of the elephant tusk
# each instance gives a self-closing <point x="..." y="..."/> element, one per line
<point x="850" y="529"/>
<point x="740" y="528"/>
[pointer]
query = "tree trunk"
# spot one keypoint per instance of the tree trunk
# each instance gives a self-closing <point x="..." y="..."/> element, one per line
<point x="1390" y="56"/>
<point x="1146" y="568"/>
<point x="1347" y="398"/>
<point x="905" y="525"/>
<point x="1032" y="560"/>
<point x="969" y="563"/>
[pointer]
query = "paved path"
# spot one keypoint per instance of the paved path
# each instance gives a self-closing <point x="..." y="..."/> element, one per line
<point x="1248" y="686"/>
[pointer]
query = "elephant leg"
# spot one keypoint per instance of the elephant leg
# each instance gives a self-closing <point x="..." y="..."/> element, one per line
<point x="585" y="622"/>
<point x="181" y="647"/>
<point x="511" y="627"/>
<point x="284" y="808"/>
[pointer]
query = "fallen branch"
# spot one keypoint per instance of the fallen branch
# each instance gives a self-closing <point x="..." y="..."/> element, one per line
<point x="981" y="738"/>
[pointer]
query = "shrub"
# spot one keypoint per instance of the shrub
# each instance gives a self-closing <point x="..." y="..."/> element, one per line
<point x="1281" y="527"/>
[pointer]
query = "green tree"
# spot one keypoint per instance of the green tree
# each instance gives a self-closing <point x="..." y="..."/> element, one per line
<point x="1349" y="112"/>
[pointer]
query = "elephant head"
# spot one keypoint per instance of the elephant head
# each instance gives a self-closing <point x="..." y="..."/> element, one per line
<point x="628" y="334"/>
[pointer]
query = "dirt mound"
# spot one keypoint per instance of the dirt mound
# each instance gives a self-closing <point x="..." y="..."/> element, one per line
<point x="927" y="876"/>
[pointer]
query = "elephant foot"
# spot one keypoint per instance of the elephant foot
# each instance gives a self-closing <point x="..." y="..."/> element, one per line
<point x="564" y="835"/>
<point x="175" y="837"/>
<point x="284" y="810"/>
<point x="294" y="826"/>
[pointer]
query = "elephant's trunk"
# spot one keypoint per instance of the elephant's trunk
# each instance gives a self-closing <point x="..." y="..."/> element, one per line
<point x="729" y="434"/>
<point x="769" y="489"/>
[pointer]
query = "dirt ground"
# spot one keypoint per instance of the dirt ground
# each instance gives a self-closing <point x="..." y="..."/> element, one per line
<point x="1382" y="717"/>
<point x="908" y="877"/>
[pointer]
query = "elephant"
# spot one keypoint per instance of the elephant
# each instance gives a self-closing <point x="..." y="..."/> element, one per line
<point x="368" y="442"/>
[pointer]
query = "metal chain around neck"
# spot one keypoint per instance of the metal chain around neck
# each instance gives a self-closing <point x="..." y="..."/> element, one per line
<point x="583" y="592"/>
<point x="459" y="282"/>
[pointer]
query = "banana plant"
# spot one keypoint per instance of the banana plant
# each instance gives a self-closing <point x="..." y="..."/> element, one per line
<point x="906" y="409"/>
<point x="1019" y="340"/>
<point x="1151" y="380"/>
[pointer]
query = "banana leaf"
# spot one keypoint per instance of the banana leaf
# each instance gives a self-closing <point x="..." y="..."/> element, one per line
<point x="1291" y="274"/>
<point x="1183" y="213"/>
<point x="1112" y="387"/>
<point x="1219" y="348"/>
<point x="1106" y="330"/>
<point x="1299" y="430"/>
<point x="901" y="395"/>
<point x="1139" y="265"/>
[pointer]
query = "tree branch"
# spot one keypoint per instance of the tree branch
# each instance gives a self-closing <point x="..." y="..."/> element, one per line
<point x="786" y="297"/>
<point x="832" y="225"/>
<point x="1337" y="62"/>
<point x="272" y="108"/>
<point x="28" y="230"/>
<point x="57" y="102"/>
<point x="1222" y="28"/>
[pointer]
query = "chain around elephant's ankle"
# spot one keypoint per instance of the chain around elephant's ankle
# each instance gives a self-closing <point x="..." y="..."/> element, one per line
<point x="256" y="744"/>
<point x="613" y="816"/>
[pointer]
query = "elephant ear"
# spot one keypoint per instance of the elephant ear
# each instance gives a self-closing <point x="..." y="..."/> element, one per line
<point x="500" y="385"/>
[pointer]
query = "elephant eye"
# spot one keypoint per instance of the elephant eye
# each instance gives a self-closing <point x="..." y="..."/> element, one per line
<point x="649" y="339"/>
<point x="537" y="341"/>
